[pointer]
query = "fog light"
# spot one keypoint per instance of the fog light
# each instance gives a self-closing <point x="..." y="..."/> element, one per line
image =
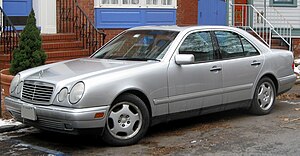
<point x="68" y="127"/>
<point x="99" y="115"/>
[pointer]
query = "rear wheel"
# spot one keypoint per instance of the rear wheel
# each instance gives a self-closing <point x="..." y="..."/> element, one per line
<point x="264" y="97"/>
<point x="127" y="122"/>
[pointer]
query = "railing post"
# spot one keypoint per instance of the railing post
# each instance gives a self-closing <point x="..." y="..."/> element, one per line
<point x="9" y="35"/>
<point x="270" y="37"/>
<point x="291" y="44"/>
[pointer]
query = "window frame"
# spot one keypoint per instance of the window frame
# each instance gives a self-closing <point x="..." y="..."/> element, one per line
<point x="240" y="40"/>
<point x="293" y="3"/>
<point x="142" y="4"/>
<point x="216" y="55"/>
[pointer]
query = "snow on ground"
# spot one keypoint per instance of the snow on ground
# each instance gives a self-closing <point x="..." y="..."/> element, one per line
<point x="292" y="102"/>
<point x="8" y="122"/>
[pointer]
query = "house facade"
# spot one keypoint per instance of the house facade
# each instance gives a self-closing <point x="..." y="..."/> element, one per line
<point x="114" y="16"/>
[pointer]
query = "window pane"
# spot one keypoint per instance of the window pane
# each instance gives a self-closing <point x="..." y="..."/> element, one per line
<point x="109" y="1"/>
<point x="166" y="2"/>
<point x="134" y="1"/>
<point x="114" y="1"/>
<point x="130" y="1"/>
<point x="104" y="1"/>
<point x="248" y="48"/>
<point x="200" y="45"/>
<point x="283" y="1"/>
<point x="152" y="2"/>
<point x="230" y="44"/>
<point x="125" y="1"/>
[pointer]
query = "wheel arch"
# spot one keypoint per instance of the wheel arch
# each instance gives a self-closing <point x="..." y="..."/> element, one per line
<point x="273" y="78"/>
<point x="139" y="94"/>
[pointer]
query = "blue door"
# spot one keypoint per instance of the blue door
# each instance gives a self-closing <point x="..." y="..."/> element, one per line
<point x="17" y="10"/>
<point x="212" y="12"/>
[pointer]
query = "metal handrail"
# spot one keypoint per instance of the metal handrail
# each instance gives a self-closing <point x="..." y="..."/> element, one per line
<point x="260" y="25"/>
<point x="74" y="20"/>
<point x="9" y="37"/>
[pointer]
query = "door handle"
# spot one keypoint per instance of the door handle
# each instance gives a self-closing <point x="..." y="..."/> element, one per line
<point x="215" y="68"/>
<point x="255" y="63"/>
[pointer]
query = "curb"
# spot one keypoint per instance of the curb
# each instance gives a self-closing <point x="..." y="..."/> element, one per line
<point x="12" y="128"/>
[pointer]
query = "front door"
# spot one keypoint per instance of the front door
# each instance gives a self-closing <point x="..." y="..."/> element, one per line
<point x="17" y="10"/>
<point x="212" y="12"/>
<point x="197" y="85"/>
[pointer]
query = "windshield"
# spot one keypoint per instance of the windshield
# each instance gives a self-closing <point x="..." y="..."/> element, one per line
<point x="139" y="45"/>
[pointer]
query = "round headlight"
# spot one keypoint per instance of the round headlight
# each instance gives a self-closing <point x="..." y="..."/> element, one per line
<point x="19" y="87"/>
<point x="76" y="92"/>
<point x="62" y="95"/>
<point x="14" y="83"/>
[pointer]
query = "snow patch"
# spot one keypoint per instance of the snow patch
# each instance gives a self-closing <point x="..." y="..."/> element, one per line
<point x="10" y="122"/>
<point x="291" y="102"/>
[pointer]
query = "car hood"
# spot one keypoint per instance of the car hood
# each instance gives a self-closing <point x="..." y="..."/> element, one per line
<point x="80" y="68"/>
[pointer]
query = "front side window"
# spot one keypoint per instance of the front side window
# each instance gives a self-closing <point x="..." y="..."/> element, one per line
<point x="200" y="45"/>
<point x="233" y="45"/>
<point x="139" y="45"/>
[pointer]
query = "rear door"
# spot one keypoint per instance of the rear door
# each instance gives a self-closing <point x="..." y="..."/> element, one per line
<point x="241" y="63"/>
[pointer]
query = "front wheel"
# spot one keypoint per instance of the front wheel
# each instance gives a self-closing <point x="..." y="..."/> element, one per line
<point x="264" y="97"/>
<point x="127" y="122"/>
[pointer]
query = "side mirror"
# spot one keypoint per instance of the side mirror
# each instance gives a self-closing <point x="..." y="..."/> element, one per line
<point x="182" y="59"/>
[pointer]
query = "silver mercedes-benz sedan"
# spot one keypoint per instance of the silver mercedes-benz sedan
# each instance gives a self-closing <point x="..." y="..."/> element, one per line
<point x="152" y="74"/>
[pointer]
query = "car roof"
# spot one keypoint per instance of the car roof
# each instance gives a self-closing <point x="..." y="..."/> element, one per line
<point x="180" y="28"/>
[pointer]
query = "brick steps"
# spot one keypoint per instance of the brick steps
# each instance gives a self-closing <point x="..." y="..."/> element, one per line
<point x="67" y="54"/>
<point x="55" y="45"/>
<point x="59" y="47"/>
<point x="62" y="37"/>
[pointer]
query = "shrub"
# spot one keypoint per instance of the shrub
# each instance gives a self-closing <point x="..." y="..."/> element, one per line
<point x="29" y="53"/>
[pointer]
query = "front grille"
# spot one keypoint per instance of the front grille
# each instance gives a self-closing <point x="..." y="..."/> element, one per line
<point x="34" y="91"/>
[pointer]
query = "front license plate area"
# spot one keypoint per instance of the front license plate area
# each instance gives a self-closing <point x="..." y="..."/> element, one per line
<point x="28" y="112"/>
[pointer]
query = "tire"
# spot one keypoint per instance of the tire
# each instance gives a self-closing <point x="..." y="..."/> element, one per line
<point x="127" y="121"/>
<point x="264" y="97"/>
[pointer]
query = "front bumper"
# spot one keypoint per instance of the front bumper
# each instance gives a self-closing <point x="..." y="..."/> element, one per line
<point x="60" y="119"/>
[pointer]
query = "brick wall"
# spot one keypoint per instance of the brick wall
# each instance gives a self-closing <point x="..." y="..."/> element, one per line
<point x="187" y="12"/>
<point x="88" y="8"/>
<point x="110" y="33"/>
<point x="296" y="47"/>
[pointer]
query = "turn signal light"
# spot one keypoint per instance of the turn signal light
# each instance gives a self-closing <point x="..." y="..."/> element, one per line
<point x="99" y="115"/>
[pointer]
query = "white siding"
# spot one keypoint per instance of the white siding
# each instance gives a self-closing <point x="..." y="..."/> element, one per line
<point x="290" y="13"/>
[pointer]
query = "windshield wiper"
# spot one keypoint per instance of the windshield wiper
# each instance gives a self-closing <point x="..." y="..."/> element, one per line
<point x="136" y="59"/>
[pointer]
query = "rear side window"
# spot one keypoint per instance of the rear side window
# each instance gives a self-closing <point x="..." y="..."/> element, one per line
<point x="233" y="45"/>
<point x="200" y="45"/>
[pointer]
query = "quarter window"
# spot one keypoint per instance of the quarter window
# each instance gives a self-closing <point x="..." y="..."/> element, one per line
<point x="232" y="45"/>
<point x="249" y="50"/>
<point x="200" y="45"/>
